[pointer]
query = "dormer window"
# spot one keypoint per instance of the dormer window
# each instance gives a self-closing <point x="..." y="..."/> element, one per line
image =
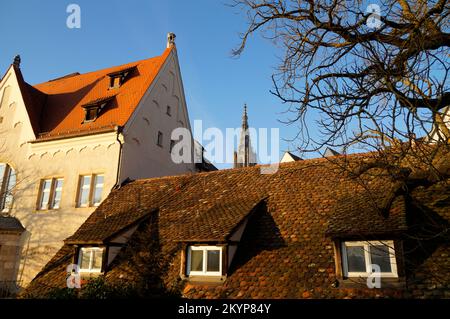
<point x="116" y="79"/>
<point x="90" y="259"/>
<point x="360" y="257"/>
<point x="93" y="109"/>
<point x="7" y="185"/>
<point x="91" y="114"/>
<point x="204" y="261"/>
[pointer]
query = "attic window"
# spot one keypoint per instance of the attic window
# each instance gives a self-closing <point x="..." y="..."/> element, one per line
<point x="204" y="261"/>
<point x="91" y="114"/>
<point x="360" y="258"/>
<point x="116" y="79"/>
<point x="90" y="259"/>
<point x="93" y="109"/>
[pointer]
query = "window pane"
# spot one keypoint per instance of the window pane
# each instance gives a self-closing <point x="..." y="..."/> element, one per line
<point x="84" y="191"/>
<point x="98" y="189"/>
<point x="10" y="188"/>
<point x="355" y="259"/>
<point x="379" y="255"/>
<point x="2" y="173"/>
<point x="45" y="195"/>
<point x="196" y="260"/>
<point x="97" y="259"/>
<point x="213" y="261"/>
<point x="84" y="197"/>
<point x="58" y="191"/>
<point x="85" y="259"/>
<point x="2" y="181"/>
<point x="86" y="181"/>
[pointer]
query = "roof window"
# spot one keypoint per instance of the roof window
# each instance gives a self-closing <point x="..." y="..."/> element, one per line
<point x="93" y="109"/>
<point x="117" y="78"/>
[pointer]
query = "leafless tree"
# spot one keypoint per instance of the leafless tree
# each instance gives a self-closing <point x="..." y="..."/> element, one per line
<point x="360" y="75"/>
<point x="367" y="77"/>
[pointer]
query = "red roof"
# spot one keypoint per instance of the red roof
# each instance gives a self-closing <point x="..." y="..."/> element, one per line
<point x="55" y="107"/>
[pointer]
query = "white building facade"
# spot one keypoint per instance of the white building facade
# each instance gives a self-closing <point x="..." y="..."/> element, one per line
<point x="65" y="144"/>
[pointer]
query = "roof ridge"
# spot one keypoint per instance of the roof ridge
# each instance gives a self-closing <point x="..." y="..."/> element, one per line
<point x="124" y="65"/>
<point x="222" y="171"/>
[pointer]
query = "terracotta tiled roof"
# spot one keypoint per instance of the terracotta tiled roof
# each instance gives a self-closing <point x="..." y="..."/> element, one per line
<point x="98" y="228"/>
<point x="363" y="215"/>
<point x="55" y="107"/>
<point x="285" y="251"/>
<point x="213" y="221"/>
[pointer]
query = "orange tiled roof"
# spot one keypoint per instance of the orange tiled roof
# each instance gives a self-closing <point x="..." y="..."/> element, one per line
<point x="61" y="112"/>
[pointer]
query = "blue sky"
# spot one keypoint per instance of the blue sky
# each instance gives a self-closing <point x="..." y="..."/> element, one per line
<point x="116" y="32"/>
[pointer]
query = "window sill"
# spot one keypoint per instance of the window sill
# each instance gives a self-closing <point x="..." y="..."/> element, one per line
<point x="355" y="282"/>
<point x="90" y="275"/>
<point x="206" y="280"/>
<point x="88" y="121"/>
<point x="48" y="210"/>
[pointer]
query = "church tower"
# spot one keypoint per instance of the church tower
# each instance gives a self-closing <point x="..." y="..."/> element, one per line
<point x="245" y="156"/>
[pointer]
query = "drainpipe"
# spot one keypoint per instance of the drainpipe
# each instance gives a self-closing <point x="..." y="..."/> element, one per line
<point x="119" y="139"/>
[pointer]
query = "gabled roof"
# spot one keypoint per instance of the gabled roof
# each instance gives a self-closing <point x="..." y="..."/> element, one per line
<point x="214" y="221"/>
<point x="55" y="107"/>
<point x="289" y="157"/>
<point x="286" y="250"/>
<point x="330" y="152"/>
<point x="359" y="217"/>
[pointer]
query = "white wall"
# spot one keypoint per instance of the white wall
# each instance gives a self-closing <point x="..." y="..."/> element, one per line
<point x="69" y="158"/>
<point x="142" y="157"/>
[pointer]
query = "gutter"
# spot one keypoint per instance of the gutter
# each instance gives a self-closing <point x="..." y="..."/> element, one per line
<point x="119" y="130"/>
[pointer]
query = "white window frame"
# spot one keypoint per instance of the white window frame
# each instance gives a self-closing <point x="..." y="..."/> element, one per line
<point x="205" y="249"/>
<point x="90" y="250"/>
<point x="41" y="205"/>
<point x="91" y="190"/>
<point x="55" y="190"/>
<point x="6" y="190"/>
<point x="367" y="257"/>
<point x="94" y="188"/>
<point x="81" y="187"/>
<point x="50" y="204"/>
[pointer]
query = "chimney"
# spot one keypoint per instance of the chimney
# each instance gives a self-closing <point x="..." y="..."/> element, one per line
<point x="170" y="39"/>
<point x="16" y="62"/>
